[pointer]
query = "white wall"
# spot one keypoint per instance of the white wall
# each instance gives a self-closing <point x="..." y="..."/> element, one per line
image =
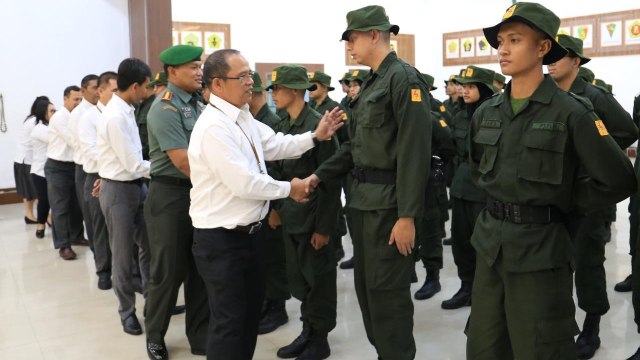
<point x="48" y="45"/>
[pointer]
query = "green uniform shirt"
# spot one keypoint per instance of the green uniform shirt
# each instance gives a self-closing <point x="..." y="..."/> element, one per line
<point x="462" y="186"/>
<point x="320" y="213"/>
<point x="452" y="107"/>
<point x="141" y="113"/>
<point x="170" y="122"/>
<point x="267" y="117"/>
<point x="345" y="101"/>
<point x="389" y="129"/>
<point x="532" y="158"/>
<point x="439" y="107"/>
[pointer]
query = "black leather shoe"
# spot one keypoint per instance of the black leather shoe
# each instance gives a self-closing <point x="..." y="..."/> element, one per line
<point x="339" y="254"/>
<point x="635" y="356"/>
<point x="460" y="299"/>
<point x="347" y="264"/>
<point x="178" y="309"/>
<point x="104" y="282"/>
<point x="199" y="352"/>
<point x="157" y="351"/>
<point x="40" y="234"/>
<point x="275" y="317"/>
<point x="80" y="242"/>
<point x="131" y="325"/>
<point x="446" y="241"/>
<point x="298" y="345"/>
<point x="317" y="349"/>
<point x="588" y="341"/>
<point x="624" y="285"/>
<point x="29" y="221"/>
<point x="430" y="287"/>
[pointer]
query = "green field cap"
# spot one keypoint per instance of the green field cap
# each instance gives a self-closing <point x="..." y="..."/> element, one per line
<point x="322" y="78"/>
<point x="574" y="45"/>
<point x="475" y="74"/>
<point x="359" y="74"/>
<point x="257" y="83"/>
<point x="291" y="76"/>
<point x="180" y="54"/>
<point x="429" y="80"/>
<point x="345" y="78"/>
<point x="372" y="17"/>
<point x="536" y="16"/>
<point x="499" y="78"/>
<point x="586" y="74"/>
<point x="160" y="78"/>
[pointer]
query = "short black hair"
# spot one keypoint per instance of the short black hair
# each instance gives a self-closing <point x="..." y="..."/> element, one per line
<point x="33" y="106"/>
<point x="85" y="80"/>
<point x="132" y="71"/>
<point x="105" y="77"/>
<point x="216" y="65"/>
<point x="40" y="107"/>
<point x="69" y="89"/>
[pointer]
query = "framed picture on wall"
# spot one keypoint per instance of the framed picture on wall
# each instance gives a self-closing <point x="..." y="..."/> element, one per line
<point x="452" y="48"/>
<point x="632" y="31"/>
<point x="211" y="37"/>
<point x="213" y="41"/>
<point x="611" y="33"/>
<point x="585" y="33"/>
<point x="191" y="38"/>
<point x="482" y="46"/>
<point x="467" y="47"/>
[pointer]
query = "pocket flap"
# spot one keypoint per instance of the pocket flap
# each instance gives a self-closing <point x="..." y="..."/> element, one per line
<point x="545" y="140"/>
<point x="486" y="136"/>
<point x="553" y="330"/>
<point x="377" y="94"/>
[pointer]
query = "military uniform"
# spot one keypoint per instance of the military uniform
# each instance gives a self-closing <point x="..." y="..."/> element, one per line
<point x="527" y="162"/>
<point x="170" y="121"/>
<point x="389" y="182"/>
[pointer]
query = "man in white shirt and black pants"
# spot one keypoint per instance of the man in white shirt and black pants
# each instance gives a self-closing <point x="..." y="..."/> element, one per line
<point x="122" y="189"/>
<point x="230" y="196"/>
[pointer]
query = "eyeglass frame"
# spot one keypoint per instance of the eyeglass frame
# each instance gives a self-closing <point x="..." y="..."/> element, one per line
<point x="243" y="78"/>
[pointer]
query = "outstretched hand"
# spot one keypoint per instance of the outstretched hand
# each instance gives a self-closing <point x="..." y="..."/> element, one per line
<point x="329" y="124"/>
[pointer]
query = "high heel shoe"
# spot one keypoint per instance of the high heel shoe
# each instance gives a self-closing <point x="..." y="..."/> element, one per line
<point x="29" y="221"/>
<point x="40" y="234"/>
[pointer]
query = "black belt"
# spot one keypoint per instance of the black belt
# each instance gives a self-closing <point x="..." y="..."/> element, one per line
<point x="172" y="180"/>
<point x="249" y="229"/>
<point x="523" y="214"/>
<point x="93" y="174"/>
<point x="374" y="176"/>
<point x="138" y="181"/>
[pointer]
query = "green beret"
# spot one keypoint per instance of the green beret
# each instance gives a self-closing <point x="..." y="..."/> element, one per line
<point x="429" y="80"/>
<point x="291" y="76"/>
<point x="160" y="78"/>
<point x="322" y="78"/>
<point x="574" y="45"/>
<point x="475" y="74"/>
<point x="257" y="83"/>
<point x="368" y="18"/>
<point x="180" y="54"/>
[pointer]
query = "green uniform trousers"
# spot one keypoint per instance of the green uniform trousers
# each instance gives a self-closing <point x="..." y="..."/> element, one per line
<point x="524" y="316"/>
<point x="443" y="203"/>
<point x="633" y="225"/>
<point x="341" y="230"/>
<point x="312" y="280"/>
<point x="166" y="213"/>
<point x="275" y="259"/>
<point x="635" y="264"/>
<point x="463" y="219"/>
<point x="590" y="277"/>
<point x="382" y="279"/>
<point x="429" y="239"/>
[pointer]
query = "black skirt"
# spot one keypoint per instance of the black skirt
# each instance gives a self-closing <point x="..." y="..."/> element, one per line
<point x="24" y="186"/>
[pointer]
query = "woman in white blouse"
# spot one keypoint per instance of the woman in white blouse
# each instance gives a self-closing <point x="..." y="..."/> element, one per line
<point x="43" y="110"/>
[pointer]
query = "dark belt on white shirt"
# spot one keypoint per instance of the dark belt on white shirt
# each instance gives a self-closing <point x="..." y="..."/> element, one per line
<point x="138" y="181"/>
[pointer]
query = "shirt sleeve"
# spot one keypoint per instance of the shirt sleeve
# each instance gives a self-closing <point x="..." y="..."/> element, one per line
<point x="616" y="119"/>
<point x="40" y="133"/>
<point x="165" y="125"/>
<point x="278" y="146"/>
<point x="122" y="140"/>
<point x="328" y="192"/>
<point x="87" y="134"/>
<point x="61" y="128"/>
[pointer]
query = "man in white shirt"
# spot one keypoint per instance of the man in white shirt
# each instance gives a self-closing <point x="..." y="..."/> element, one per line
<point x="60" y="173"/>
<point x="230" y="196"/>
<point x="87" y="137"/>
<point x="89" y="90"/>
<point x="122" y="189"/>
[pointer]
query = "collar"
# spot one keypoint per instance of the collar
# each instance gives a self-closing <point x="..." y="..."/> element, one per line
<point x="386" y="63"/>
<point x="100" y="106"/>
<point x="302" y="116"/>
<point x="579" y="85"/>
<point x="85" y="104"/>
<point x="121" y="104"/>
<point x="183" y="95"/>
<point x="231" y="111"/>
<point x="543" y="94"/>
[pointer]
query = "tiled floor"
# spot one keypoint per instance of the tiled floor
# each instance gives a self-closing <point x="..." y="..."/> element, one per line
<point x="52" y="309"/>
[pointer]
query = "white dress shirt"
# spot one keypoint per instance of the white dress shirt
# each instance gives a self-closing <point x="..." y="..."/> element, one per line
<point x="87" y="136"/>
<point x="40" y="139"/>
<point x="118" y="143"/>
<point x="74" y="121"/>
<point x="24" y="150"/>
<point x="230" y="187"/>
<point x="60" y="140"/>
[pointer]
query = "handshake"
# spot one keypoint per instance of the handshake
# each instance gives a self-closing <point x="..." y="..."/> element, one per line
<point x="302" y="188"/>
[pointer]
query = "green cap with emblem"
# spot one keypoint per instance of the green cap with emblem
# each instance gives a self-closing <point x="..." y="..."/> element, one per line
<point x="602" y="84"/>
<point x="291" y="76"/>
<point x="345" y="78"/>
<point x="586" y="74"/>
<point x="160" y="78"/>
<point x="475" y="74"/>
<point x="535" y="16"/>
<point x="499" y="78"/>
<point x="574" y="45"/>
<point x="257" y="83"/>
<point x="180" y="54"/>
<point x="372" y="17"/>
<point x="359" y="75"/>
<point x="452" y="77"/>
<point x="429" y="80"/>
<point x="321" y="78"/>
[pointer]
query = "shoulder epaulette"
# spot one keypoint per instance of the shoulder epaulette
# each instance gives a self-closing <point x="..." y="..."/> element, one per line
<point x="168" y="96"/>
<point x="583" y="100"/>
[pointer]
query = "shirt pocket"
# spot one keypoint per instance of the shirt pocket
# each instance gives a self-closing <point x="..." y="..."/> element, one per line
<point x="189" y="123"/>
<point x="374" y="109"/>
<point x="542" y="158"/>
<point x="488" y="138"/>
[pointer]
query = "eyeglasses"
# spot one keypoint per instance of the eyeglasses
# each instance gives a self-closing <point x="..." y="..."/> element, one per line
<point x="242" y="77"/>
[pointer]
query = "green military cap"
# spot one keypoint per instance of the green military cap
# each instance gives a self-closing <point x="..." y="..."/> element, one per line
<point x="369" y="18"/>
<point x="322" y="78"/>
<point x="429" y="80"/>
<point x="345" y="78"/>
<point x="257" y="83"/>
<point x="180" y="54"/>
<point x="475" y="74"/>
<point x="452" y="77"/>
<point x="602" y="84"/>
<point x="160" y="78"/>
<point x="359" y="75"/>
<point x="574" y="45"/>
<point x="499" y="78"/>
<point x="536" y="16"/>
<point x="291" y="76"/>
<point x="586" y="74"/>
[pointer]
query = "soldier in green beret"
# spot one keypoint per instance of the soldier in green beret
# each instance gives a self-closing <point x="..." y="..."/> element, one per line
<point x="541" y="155"/>
<point x="390" y="123"/>
<point x="274" y="312"/>
<point x="591" y="238"/>
<point x="166" y="210"/>
<point x="311" y="264"/>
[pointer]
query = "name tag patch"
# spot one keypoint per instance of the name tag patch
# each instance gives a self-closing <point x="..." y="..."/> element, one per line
<point x="490" y="123"/>
<point x="552" y="126"/>
<point x="601" y="128"/>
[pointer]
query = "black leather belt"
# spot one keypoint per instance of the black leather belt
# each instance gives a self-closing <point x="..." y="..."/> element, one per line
<point x="523" y="214"/>
<point x="93" y="174"/>
<point x="374" y="176"/>
<point x="249" y="229"/>
<point x="172" y="180"/>
<point x="138" y="181"/>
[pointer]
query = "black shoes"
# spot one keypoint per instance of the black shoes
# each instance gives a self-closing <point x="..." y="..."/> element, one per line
<point x="317" y="349"/>
<point x="274" y="317"/>
<point x="29" y="221"/>
<point x="588" y="341"/>
<point x="298" y="345"/>
<point x="104" y="282"/>
<point x="179" y="309"/>
<point x="339" y="254"/>
<point x="131" y="325"/>
<point x="40" y="234"/>
<point x="430" y="287"/>
<point x="635" y="356"/>
<point x="460" y="299"/>
<point x="157" y="351"/>
<point x="347" y="264"/>
<point x="624" y="285"/>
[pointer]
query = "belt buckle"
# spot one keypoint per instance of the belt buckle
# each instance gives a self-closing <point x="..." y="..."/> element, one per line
<point x="498" y="208"/>
<point x="507" y="211"/>
<point x="255" y="227"/>
<point x="516" y="217"/>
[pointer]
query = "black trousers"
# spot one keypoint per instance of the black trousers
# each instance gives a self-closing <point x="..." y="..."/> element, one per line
<point x="233" y="268"/>
<point x="40" y="184"/>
